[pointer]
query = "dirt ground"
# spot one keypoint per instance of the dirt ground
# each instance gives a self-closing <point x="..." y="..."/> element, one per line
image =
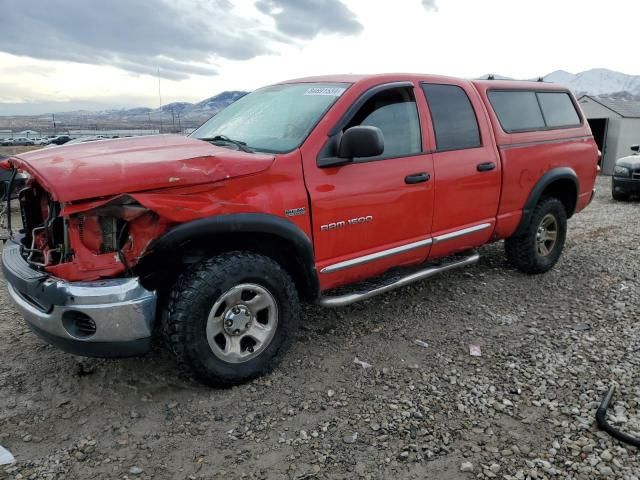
<point x="7" y="151"/>
<point x="551" y="346"/>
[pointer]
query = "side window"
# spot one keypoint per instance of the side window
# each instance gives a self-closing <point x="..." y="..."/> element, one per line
<point x="558" y="109"/>
<point x="454" y="119"/>
<point x="517" y="110"/>
<point x="393" y="111"/>
<point x="522" y="110"/>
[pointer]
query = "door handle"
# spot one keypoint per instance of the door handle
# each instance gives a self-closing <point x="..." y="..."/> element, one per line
<point x="486" y="166"/>
<point x="417" y="178"/>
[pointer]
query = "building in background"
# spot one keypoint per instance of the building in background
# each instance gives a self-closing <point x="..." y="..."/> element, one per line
<point x="27" y="134"/>
<point x="615" y="123"/>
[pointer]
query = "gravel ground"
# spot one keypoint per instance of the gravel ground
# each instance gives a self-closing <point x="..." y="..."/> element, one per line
<point x="551" y="346"/>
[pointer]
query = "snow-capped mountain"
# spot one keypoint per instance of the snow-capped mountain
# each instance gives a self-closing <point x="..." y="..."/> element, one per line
<point x="174" y="116"/>
<point x="203" y="109"/>
<point x="598" y="81"/>
<point x="218" y="102"/>
<point x="494" y="76"/>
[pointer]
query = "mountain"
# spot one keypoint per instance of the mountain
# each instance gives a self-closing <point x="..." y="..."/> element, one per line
<point x="175" y="116"/>
<point x="139" y="111"/>
<point x="218" y="102"/>
<point x="598" y="81"/>
<point x="204" y="108"/>
<point x="493" y="76"/>
<point x="200" y="110"/>
<point x="177" y="107"/>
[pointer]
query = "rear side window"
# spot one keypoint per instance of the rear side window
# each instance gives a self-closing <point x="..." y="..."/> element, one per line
<point x="454" y="119"/>
<point x="558" y="109"/>
<point x="522" y="110"/>
<point x="517" y="111"/>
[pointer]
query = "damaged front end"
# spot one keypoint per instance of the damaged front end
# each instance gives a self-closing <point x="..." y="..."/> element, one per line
<point x="69" y="272"/>
<point x="99" y="242"/>
<point x="82" y="269"/>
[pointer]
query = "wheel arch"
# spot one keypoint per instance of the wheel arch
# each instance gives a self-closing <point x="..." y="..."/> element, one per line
<point x="561" y="183"/>
<point x="266" y="234"/>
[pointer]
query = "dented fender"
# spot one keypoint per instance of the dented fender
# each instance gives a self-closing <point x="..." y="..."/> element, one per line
<point x="300" y="244"/>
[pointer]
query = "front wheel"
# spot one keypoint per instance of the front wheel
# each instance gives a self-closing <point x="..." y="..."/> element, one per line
<point x="617" y="195"/>
<point x="538" y="249"/>
<point x="230" y="318"/>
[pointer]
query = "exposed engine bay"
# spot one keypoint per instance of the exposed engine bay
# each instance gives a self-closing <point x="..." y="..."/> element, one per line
<point x="101" y="242"/>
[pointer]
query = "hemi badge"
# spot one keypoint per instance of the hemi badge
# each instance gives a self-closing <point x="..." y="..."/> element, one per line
<point x="294" y="212"/>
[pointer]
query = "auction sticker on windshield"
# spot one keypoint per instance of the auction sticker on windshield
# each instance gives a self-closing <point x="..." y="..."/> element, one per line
<point x="331" y="91"/>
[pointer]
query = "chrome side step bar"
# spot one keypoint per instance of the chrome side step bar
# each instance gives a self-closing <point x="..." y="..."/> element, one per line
<point x="396" y="282"/>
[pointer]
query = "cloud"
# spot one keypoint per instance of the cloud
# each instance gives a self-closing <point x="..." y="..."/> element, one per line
<point x="306" y="19"/>
<point x="179" y="36"/>
<point x="430" y="5"/>
<point x="39" y="70"/>
<point x="17" y="99"/>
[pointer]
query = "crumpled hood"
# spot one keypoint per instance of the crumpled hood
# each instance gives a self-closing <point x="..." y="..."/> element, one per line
<point x="632" y="161"/>
<point x="111" y="167"/>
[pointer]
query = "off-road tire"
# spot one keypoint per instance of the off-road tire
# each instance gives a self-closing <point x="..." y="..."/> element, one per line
<point x="184" y="317"/>
<point x="521" y="250"/>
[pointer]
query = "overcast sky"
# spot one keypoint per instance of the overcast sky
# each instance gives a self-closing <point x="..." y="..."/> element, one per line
<point x="69" y="54"/>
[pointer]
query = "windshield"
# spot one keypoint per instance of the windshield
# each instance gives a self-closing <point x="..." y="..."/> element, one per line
<point x="273" y="119"/>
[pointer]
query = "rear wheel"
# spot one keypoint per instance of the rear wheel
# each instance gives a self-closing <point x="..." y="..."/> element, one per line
<point x="539" y="247"/>
<point x="230" y="318"/>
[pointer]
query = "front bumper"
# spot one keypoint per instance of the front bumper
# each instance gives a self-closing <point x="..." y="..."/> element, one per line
<point x="105" y="318"/>
<point x="626" y="185"/>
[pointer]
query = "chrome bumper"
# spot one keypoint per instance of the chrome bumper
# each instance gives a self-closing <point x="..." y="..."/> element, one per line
<point x="105" y="318"/>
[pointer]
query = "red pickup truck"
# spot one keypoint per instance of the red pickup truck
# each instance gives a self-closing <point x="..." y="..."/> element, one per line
<point x="328" y="189"/>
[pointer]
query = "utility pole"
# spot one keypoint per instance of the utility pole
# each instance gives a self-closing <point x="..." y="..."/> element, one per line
<point x="53" y="117"/>
<point x="160" y="99"/>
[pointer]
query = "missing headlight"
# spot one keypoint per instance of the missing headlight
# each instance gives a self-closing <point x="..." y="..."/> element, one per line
<point x="101" y="234"/>
<point x="109" y="226"/>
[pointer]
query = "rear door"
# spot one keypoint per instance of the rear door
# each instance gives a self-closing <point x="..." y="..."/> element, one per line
<point x="374" y="213"/>
<point x="467" y="168"/>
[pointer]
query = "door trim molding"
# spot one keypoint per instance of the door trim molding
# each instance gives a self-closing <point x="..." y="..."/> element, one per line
<point x="376" y="256"/>
<point x="459" y="233"/>
<point x="372" y="257"/>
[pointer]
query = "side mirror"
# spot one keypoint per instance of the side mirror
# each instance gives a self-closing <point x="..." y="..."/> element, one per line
<point x="361" y="142"/>
<point x="357" y="142"/>
<point x="635" y="148"/>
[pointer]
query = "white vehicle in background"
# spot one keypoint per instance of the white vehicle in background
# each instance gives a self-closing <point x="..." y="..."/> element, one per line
<point x="22" y="141"/>
<point x="87" y="139"/>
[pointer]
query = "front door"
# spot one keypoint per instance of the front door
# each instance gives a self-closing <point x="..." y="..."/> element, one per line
<point x="376" y="212"/>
